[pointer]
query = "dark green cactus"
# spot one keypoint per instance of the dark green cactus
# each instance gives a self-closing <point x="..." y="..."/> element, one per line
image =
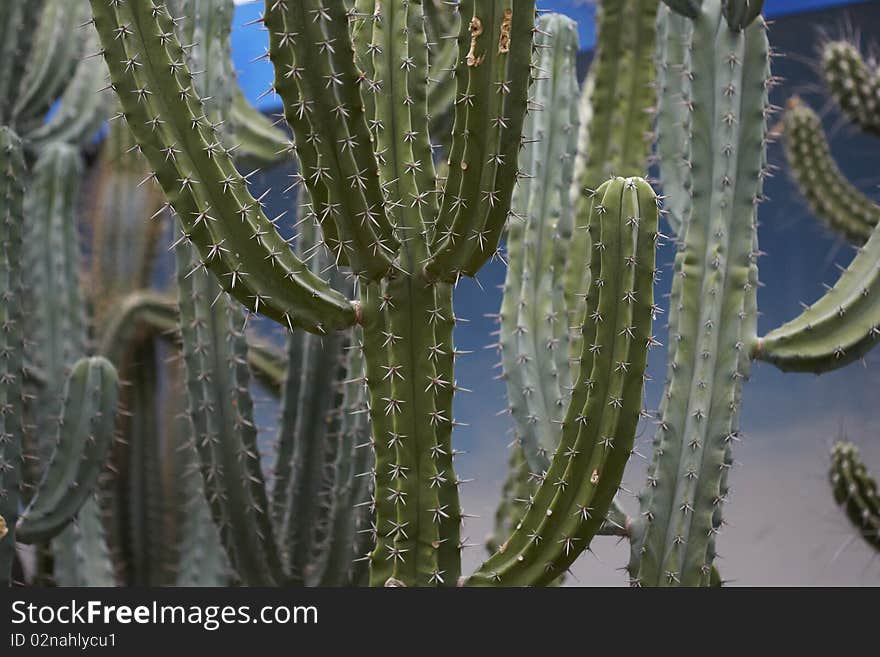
<point x="12" y="177"/>
<point x="85" y="431"/>
<point x="855" y="490"/>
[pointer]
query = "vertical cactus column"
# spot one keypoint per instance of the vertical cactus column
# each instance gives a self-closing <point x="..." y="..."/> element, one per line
<point x="12" y="176"/>
<point x="715" y="313"/>
<point x="534" y="320"/>
<point x="618" y="133"/>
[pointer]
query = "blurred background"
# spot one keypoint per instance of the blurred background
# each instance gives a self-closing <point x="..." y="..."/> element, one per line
<point x="783" y="527"/>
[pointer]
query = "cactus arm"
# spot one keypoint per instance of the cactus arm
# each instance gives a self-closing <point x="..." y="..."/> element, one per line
<point x="441" y="27"/>
<point x="489" y="117"/>
<point x="122" y="243"/>
<point x="12" y="176"/>
<point x="839" y="328"/>
<point x="577" y="491"/>
<point x="854" y="84"/>
<point x="223" y="427"/>
<point x="681" y="507"/>
<point x="739" y="14"/>
<point x="19" y="21"/>
<point x="856" y="492"/>
<point x="83" y="440"/>
<point x="533" y="319"/>
<point x="317" y="79"/>
<point x="831" y="196"/>
<point x="673" y="39"/>
<point x="57" y="45"/>
<point x="621" y="99"/>
<point x="256" y="135"/>
<point x="406" y="166"/>
<point x="198" y="177"/>
<point x="82" y="110"/>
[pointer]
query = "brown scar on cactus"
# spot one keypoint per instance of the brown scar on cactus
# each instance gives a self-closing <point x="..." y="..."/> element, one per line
<point x="504" y="39"/>
<point x="476" y="30"/>
<point x="3" y="528"/>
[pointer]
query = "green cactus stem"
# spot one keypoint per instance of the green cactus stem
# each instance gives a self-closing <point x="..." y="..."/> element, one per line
<point x="12" y="177"/>
<point x="839" y="328"/>
<point x="618" y="133"/>
<point x="714" y="311"/>
<point x="534" y="323"/>
<point x="577" y="491"/>
<point x="854" y="84"/>
<point x="673" y="117"/>
<point x="831" y="196"/>
<point x="855" y="490"/>
<point x="85" y="433"/>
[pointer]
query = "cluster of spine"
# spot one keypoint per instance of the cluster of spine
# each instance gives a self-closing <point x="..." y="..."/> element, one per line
<point x="855" y="490"/>
<point x="712" y="307"/>
<point x="618" y="131"/>
<point x="830" y="195"/>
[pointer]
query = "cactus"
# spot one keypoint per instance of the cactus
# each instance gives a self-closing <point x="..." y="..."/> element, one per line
<point x="855" y="491"/>
<point x="12" y="175"/>
<point x="618" y="131"/>
<point x="854" y="84"/>
<point x="534" y="324"/>
<point x="713" y="306"/>
<point x="404" y="244"/>
<point x="831" y="197"/>
<point x="85" y="431"/>
<point x="45" y="59"/>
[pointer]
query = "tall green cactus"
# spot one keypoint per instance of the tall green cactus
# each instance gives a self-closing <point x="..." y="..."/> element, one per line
<point x="713" y="303"/>
<point x="12" y="175"/>
<point x="405" y="235"/>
